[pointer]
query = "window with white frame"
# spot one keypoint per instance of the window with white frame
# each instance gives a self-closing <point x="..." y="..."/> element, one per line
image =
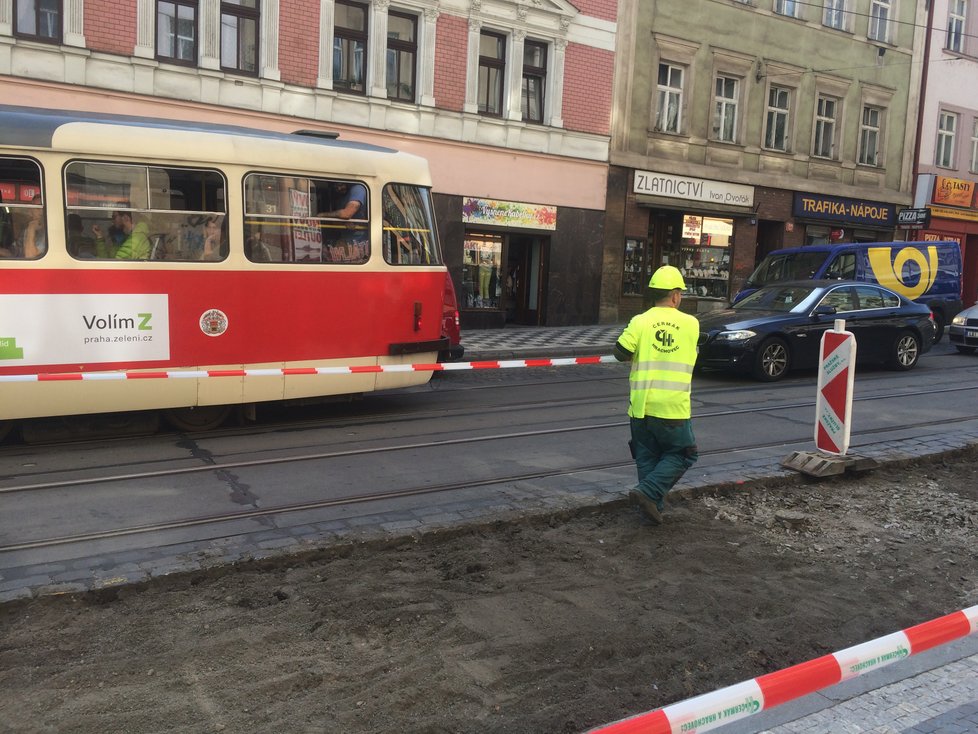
<point x="869" y="136"/>
<point x="534" y="80"/>
<point x="670" y="99"/>
<point x="879" y="20"/>
<point x="492" y="72"/>
<point x="38" y="20"/>
<point x="726" y="90"/>
<point x="826" y="113"/>
<point x="835" y="14"/>
<point x="776" y="124"/>
<point x="402" y="54"/>
<point x="974" y="146"/>
<point x="239" y="36"/>
<point x="947" y="124"/>
<point x="786" y="7"/>
<point x="957" y="15"/>
<point x="176" y="31"/>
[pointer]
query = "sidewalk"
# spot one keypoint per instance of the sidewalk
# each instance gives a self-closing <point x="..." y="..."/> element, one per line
<point x="933" y="693"/>
<point x="517" y="342"/>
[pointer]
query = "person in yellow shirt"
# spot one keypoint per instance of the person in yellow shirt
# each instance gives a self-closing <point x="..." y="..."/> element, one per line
<point x="135" y="244"/>
<point x="661" y="345"/>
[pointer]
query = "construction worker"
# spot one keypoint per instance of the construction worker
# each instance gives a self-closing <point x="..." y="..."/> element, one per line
<point x="661" y="345"/>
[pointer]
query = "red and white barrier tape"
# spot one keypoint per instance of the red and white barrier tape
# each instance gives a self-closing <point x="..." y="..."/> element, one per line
<point x="291" y="371"/>
<point x="741" y="700"/>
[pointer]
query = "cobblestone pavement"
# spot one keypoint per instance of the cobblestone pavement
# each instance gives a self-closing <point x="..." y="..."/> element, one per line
<point x="933" y="693"/>
<point x="516" y="342"/>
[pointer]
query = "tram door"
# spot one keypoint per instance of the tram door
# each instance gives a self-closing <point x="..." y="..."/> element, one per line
<point x="526" y="280"/>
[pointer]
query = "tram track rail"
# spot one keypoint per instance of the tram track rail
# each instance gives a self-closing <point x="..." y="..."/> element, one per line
<point x="258" y="513"/>
<point x="443" y="442"/>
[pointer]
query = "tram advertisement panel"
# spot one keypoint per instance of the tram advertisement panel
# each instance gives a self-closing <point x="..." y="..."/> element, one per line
<point x="83" y="328"/>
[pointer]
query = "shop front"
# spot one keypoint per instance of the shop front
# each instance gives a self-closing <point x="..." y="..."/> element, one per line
<point x="505" y="262"/>
<point x="692" y="223"/>
<point x="831" y="219"/>
<point x="953" y="205"/>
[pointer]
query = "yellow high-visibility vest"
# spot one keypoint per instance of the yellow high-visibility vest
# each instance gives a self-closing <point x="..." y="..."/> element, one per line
<point x="663" y="345"/>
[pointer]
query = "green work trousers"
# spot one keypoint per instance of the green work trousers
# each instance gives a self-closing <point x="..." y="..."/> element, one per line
<point x="664" y="448"/>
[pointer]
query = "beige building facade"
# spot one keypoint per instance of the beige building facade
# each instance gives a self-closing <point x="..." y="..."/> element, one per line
<point x="742" y="127"/>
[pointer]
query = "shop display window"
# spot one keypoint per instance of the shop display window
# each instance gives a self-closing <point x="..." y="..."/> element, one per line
<point x="481" y="266"/>
<point x="704" y="256"/>
<point x="635" y="270"/>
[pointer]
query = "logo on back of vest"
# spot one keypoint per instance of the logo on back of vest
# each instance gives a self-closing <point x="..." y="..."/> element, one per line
<point x="665" y="341"/>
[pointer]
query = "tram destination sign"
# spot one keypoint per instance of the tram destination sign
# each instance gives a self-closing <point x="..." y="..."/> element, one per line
<point x="913" y="218"/>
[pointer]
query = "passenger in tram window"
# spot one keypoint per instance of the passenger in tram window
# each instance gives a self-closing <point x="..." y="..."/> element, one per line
<point x="350" y="243"/>
<point x="135" y="246"/>
<point x="79" y="243"/>
<point x="351" y="202"/>
<point x="256" y="248"/>
<point x="215" y="247"/>
<point x="34" y="240"/>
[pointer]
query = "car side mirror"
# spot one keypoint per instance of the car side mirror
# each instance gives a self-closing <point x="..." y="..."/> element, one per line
<point x="825" y="310"/>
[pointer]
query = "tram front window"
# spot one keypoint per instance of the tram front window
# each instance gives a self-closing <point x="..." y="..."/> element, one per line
<point x="409" y="231"/>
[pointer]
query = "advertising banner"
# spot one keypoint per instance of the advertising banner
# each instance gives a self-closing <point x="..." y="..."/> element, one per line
<point x="509" y="214"/>
<point x="84" y="328"/>
<point x="954" y="192"/>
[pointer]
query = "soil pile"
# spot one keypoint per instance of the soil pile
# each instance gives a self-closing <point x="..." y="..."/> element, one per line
<point x="552" y="625"/>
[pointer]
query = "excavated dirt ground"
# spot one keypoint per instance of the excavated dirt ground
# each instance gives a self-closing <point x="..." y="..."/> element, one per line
<point x="528" y="625"/>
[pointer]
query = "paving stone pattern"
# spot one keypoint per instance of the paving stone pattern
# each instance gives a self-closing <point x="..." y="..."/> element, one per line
<point x="939" y="701"/>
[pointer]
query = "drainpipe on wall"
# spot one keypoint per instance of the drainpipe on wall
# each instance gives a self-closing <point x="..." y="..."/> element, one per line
<point x="923" y="96"/>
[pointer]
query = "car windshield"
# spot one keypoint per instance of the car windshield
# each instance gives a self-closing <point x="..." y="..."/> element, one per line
<point x="777" y="268"/>
<point x="774" y="298"/>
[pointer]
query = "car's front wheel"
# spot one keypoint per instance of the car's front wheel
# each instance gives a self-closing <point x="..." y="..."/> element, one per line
<point x="772" y="361"/>
<point x="906" y="351"/>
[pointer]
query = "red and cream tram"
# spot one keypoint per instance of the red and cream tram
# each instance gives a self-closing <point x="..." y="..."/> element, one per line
<point x="139" y="245"/>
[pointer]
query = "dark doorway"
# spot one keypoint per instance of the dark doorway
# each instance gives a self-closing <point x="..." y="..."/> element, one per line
<point x="770" y="236"/>
<point x="526" y="279"/>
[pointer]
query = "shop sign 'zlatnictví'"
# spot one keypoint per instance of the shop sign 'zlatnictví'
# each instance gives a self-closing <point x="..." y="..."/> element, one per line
<point x="692" y="189"/>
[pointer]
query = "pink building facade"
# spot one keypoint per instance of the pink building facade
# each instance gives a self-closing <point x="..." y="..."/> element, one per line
<point x="946" y="180"/>
<point x="510" y="102"/>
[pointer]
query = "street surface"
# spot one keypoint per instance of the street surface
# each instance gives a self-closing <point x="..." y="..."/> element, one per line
<point x="527" y="598"/>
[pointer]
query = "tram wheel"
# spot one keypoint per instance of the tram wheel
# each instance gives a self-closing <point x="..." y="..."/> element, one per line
<point x="197" y="418"/>
<point x="5" y="428"/>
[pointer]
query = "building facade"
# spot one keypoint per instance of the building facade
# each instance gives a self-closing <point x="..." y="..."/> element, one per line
<point x="509" y="100"/>
<point x="725" y="146"/>
<point x="946" y="180"/>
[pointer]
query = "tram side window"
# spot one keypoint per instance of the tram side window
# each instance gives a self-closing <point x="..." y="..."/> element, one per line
<point x="297" y="219"/>
<point x="23" y="233"/>
<point x="133" y="212"/>
<point x="409" y="231"/>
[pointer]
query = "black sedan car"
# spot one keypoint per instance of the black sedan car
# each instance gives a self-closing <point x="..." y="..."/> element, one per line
<point x="780" y="327"/>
